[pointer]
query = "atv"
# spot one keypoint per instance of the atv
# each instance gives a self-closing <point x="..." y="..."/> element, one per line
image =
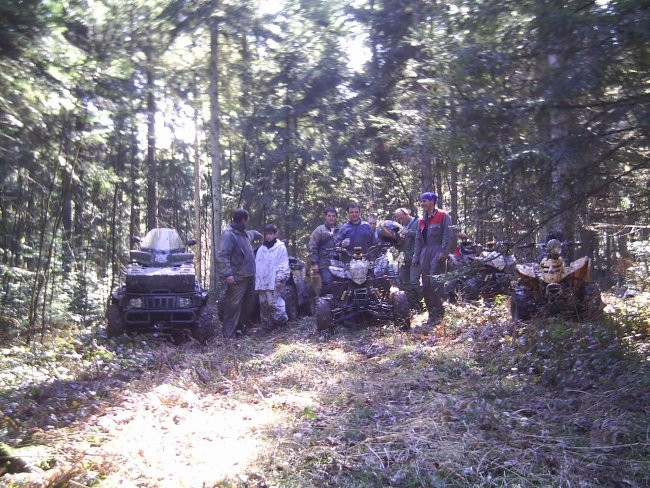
<point x="361" y="289"/>
<point x="299" y="294"/>
<point x="555" y="286"/>
<point x="482" y="274"/>
<point x="160" y="292"/>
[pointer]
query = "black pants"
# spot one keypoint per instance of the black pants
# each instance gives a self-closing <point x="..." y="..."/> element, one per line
<point x="237" y="305"/>
<point x="326" y="281"/>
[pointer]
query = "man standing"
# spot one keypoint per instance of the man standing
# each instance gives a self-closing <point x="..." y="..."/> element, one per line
<point x="320" y="241"/>
<point x="409" y="275"/>
<point x="272" y="271"/>
<point x="355" y="232"/>
<point x="432" y="246"/>
<point x="236" y="266"/>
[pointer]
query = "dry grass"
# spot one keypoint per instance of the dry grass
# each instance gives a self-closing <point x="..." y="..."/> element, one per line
<point x="483" y="402"/>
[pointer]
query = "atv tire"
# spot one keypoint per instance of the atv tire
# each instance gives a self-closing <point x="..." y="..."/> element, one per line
<point x="323" y="313"/>
<point x="115" y="321"/>
<point x="454" y="290"/>
<point x="472" y="290"/>
<point x="308" y="307"/>
<point x="520" y="308"/>
<point x="206" y="326"/>
<point x="401" y="310"/>
<point x="290" y="297"/>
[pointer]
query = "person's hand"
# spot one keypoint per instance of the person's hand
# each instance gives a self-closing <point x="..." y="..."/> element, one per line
<point x="230" y="280"/>
<point x="279" y="285"/>
<point x="345" y="242"/>
<point x="314" y="267"/>
<point x="403" y="232"/>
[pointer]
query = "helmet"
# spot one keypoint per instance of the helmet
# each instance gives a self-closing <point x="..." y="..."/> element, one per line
<point x="468" y="248"/>
<point x="554" y="248"/>
<point x="389" y="232"/>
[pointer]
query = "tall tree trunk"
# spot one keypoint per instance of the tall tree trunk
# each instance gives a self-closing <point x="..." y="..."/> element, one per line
<point x="562" y="218"/>
<point x="66" y="211"/>
<point x="215" y="150"/>
<point x="134" y="221"/>
<point x="427" y="174"/>
<point x="197" y="191"/>
<point x="453" y="192"/>
<point x="152" y="198"/>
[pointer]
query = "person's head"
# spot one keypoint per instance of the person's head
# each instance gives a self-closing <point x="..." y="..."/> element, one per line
<point x="428" y="201"/>
<point x="330" y="216"/>
<point x="354" y="212"/>
<point x="402" y="215"/>
<point x="270" y="232"/>
<point x="372" y="220"/>
<point x="240" y="216"/>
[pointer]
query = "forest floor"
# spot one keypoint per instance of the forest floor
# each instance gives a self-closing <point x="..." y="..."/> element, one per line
<point x="481" y="401"/>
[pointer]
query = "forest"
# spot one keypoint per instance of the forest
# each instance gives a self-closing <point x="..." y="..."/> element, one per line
<point x="120" y="116"/>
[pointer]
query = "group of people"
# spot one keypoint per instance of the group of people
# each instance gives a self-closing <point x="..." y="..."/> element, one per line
<point x="425" y="245"/>
<point x="424" y="248"/>
<point x="244" y="271"/>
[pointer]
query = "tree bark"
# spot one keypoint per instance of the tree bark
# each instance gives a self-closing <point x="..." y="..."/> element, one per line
<point x="152" y="198"/>
<point x="197" y="193"/>
<point x="215" y="150"/>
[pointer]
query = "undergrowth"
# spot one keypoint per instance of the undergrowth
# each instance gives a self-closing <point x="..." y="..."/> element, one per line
<point x="479" y="401"/>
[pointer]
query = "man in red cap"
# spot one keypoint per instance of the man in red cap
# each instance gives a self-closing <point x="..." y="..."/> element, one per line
<point x="432" y="246"/>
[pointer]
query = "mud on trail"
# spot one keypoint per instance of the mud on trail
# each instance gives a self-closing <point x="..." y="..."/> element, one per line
<point x="478" y="401"/>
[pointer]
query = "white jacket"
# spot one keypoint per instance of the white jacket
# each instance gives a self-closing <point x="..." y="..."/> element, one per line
<point x="271" y="266"/>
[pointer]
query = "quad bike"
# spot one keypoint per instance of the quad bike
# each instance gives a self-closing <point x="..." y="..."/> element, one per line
<point x="483" y="274"/>
<point x="160" y="291"/>
<point x="555" y="286"/>
<point x="458" y="267"/>
<point x="361" y="289"/>
<point x="299" y="294"/>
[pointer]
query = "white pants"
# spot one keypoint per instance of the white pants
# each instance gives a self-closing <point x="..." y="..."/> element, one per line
<point x="273" y="312"/>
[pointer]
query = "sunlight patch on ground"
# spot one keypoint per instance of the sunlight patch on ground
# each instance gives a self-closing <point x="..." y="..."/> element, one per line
<point x="171" y="437"/>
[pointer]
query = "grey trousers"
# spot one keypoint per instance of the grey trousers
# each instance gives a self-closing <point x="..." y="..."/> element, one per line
<point x="237" y="305"/>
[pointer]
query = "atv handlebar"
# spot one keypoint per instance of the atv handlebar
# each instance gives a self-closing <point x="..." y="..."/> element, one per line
<point x="351" y="254"/>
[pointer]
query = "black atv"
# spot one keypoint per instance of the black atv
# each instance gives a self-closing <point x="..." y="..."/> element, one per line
<point x="361" y="289"/>
<point x="299" y="294"/>
<point x="481" y="274"/>
<point x="160" y="292"/>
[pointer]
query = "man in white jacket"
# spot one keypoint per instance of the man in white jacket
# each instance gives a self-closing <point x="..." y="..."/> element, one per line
<point x="271" y="273"/>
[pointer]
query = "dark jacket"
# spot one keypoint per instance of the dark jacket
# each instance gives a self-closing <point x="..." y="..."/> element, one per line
<point x="360" y="235"/>
<point x="321" y="239"/>
<point x="433" y="242"/>
<point x="235" y="256"/>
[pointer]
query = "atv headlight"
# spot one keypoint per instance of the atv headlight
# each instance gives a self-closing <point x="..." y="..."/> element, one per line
<point x="135" y="303"/>
<point x="184" y="302"/>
